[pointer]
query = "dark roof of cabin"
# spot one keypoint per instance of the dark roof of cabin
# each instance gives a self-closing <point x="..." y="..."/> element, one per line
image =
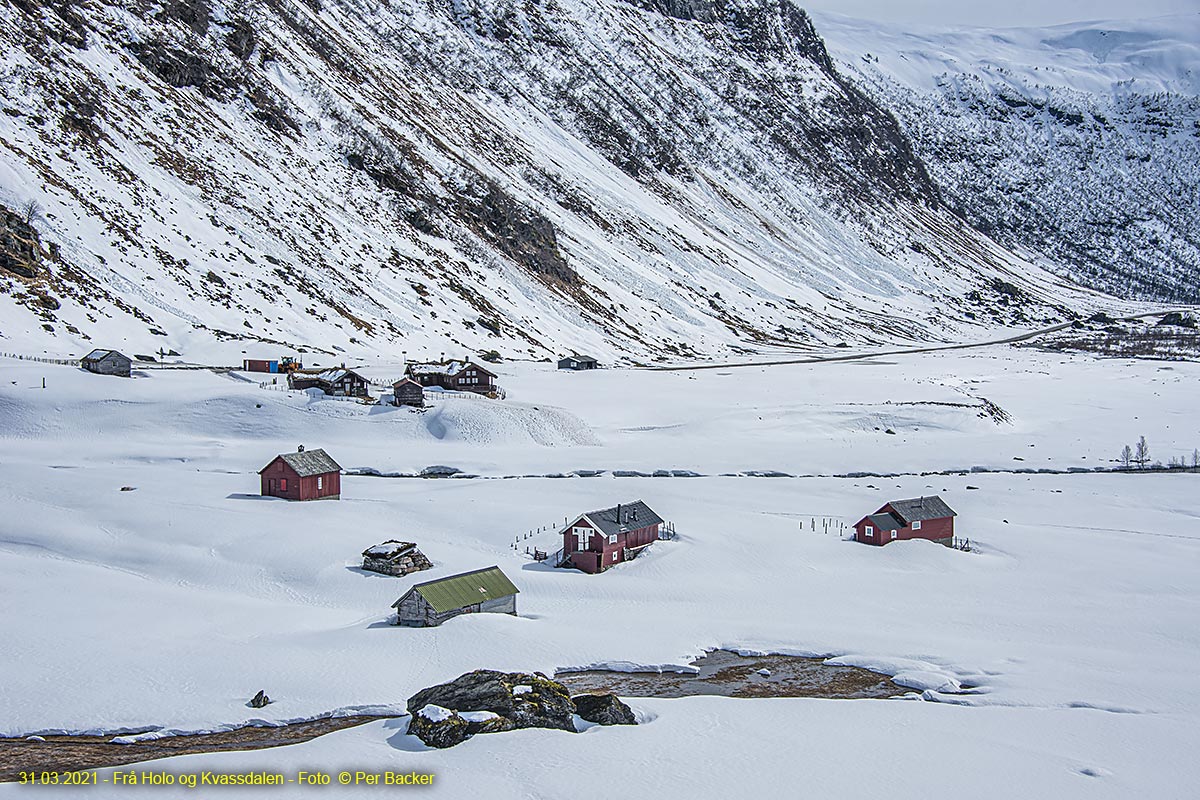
<point x="328" y="375"/>
<point x="467" y="589"/>
<point x="922" y="508"/>
<point x="308" y="462"/>
<point x="885" y="522"/>
<point x="404" y="381"/>
<point x="633" y="516"/>
<point x="577" y="358"/>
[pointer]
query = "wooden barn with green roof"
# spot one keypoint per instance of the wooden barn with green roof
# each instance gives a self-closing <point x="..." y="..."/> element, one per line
<point x="431" y="603"/>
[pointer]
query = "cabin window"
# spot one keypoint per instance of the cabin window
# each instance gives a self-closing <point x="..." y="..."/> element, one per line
<point x="893" y="534"/>
<point x="917" y="525"/>
<point x="870" y="531"/>
<point x="614" y="555"/>
<point x="320" y="483"/>
<point x="612" y="538"/>
<point x="283" y="484"/>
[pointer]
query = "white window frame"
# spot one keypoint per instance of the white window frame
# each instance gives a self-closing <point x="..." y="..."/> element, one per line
<point x="614" y="558"/>
<point x="893" y="534"/>
<point x="916" y="526"/>
<point x="870" y="531"/>
<point x="612" y="538"/>
<point x="581" y="537"/>
<point x="320" y="482"/>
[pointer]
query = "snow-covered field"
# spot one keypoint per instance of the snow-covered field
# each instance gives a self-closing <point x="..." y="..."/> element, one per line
<point x="173" y="603"/>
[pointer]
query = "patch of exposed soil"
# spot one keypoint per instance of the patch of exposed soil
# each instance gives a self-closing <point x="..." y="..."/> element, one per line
<point x="72" y="753"/>
<point x="727" y="674"/>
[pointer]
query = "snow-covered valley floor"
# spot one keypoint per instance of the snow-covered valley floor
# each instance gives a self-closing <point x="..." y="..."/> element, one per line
<point x="1076" y="617"/>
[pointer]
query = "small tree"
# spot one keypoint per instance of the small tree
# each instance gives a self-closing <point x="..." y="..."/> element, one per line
<point x="31" y="211"/>
<point x="1126" y="457"/>
<point x="1142" y="456"/>
<point x="1195" y="460"/>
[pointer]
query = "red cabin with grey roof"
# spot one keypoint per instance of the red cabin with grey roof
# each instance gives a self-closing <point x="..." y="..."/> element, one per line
<point x="917" y="518"/>
<point x="302" y="475"/>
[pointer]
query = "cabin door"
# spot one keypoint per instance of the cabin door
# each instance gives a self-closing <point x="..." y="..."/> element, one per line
<point x="273" y="486"/>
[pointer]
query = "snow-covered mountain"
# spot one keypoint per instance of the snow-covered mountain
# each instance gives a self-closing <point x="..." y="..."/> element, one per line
<point x="645" y="180"/>
<point x="1078" y="144"/>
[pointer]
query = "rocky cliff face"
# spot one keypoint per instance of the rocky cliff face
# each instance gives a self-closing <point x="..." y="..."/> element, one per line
<point x="20" y="245"/>
<point x="649" y="180"/>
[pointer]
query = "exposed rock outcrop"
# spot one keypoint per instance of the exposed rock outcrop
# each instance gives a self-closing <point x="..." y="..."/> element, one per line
<point x="439" y="727"/>
<point x="1178" y="320"/>
<point x="486" y="701"/>
<point x="603" y="709"/>
<point x="526" y="700"/>
<point x="20" y="245"/>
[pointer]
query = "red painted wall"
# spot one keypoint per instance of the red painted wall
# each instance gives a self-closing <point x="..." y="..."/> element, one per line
<point x="298" y="488"/>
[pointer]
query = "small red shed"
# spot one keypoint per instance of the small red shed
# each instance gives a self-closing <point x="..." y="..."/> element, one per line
<point x="302" y="475"/>
<point x="918" y="518"/>
<point x="599" y="539"/>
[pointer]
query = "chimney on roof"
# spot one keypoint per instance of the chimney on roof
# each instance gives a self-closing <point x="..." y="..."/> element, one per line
<point x="618" y="513"/>
<point x="300" y="449"/>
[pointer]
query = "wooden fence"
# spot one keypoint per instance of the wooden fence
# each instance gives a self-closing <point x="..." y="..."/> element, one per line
<point x="666" y="533"/>
<point x="66" y="362"/>
<point x="75" y="362"/>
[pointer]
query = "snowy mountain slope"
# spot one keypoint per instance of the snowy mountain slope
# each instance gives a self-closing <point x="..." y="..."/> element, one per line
<point x="1079" y="143"/>
<point x="647" y="181"/>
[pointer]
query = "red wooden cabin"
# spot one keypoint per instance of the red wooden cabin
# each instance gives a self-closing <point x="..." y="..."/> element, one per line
<point x="302" y="475"/>
<point x="599" y="539"/>
<point x="918" y="518"/>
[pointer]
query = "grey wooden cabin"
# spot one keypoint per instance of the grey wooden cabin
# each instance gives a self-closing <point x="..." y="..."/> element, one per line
<point x="578" y="362"/>
<point x="431" y="603"/>
<point x="408" y="393"/>
<point x="107" y="362"/>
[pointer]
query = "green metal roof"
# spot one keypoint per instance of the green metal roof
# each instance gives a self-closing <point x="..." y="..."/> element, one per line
<point x="467" y="589"/>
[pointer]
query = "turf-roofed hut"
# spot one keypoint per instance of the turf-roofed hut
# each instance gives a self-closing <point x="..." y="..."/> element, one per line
<point x="302" y="475"/>
<point x="395" y="558"/>
<point x="431" y="603"/>
<point x="917" y="518"/>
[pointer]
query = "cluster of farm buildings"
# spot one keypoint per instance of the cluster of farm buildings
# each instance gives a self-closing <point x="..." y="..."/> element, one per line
<point x="592" y="542"/>
<point x="445" y="375"/>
